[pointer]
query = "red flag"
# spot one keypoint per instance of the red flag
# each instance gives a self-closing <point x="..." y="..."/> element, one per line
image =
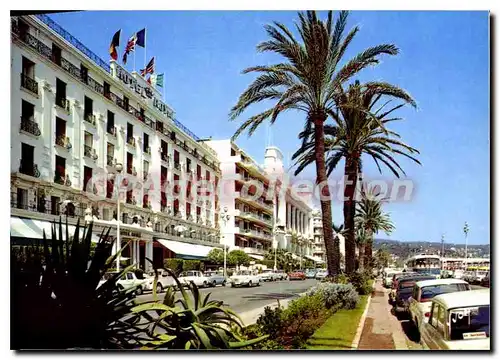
<point x="115" y="42"/>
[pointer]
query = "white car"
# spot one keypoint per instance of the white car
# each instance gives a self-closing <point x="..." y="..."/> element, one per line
<point x="321" y="274"/>
<point x="127" y="281"/>
<point x="164" y="280"/>
<point x="458" y="321"/>
<point x="269" y="275"/>
<point x="419" y="303"/>
<point x="195" y="276"/>
<point x="245" y="278"/>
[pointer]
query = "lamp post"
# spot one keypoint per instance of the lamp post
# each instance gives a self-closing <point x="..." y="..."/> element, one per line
<point x="225" y="218"/>
<point x="118" y="168"/>
<point x="275" y="245"/>
<point x="466" y="231"/>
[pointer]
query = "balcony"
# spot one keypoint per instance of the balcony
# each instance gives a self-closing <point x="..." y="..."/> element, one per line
<point x="90" y="118"/>
<point x="252" y="250"/>
<point x="177" y="165"/>
<point x="131" y="141"/>
<point x="63" y="103"/>
<point x="29" y="169"/>
<point x="131" y="200"/>
<point x="131" y="170"/>
<point x="30" y="127"/>
<point x="254" y="217"/>
<point x="145" y="175"/>
<point x="89" y="152"/>
<point x="110" y="160"/>
<point x="259" y="203"/>
<point x="256" y="234"/>
<point x="29" y="84"/>
<point x="63" y="141"/>
<point x="147" y="150"/>
<point x="111" y="130"/>
<point x="62" y="180"/>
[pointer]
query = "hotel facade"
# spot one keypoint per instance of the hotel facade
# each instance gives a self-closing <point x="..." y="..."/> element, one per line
<point x="76" y="121"/>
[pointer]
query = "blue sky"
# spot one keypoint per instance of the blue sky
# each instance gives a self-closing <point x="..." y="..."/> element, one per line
<point x="443" y="63"/>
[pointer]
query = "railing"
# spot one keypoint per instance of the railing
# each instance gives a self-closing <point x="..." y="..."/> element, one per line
<point x="131" y="141"/>
<point x="177" y="165"/>
<point x="165" y="158"/>
<point x="147" y="150"/>
<point x="29" y="169"/>
<point x="29" y="83"/>
<point x="256" y="217"/>
<point x="63" y="103"/>
<point x="110" y="160"/>
<point x="62" y="180"/>
<point x="74" y="41"/>
<point x="90" y="152"/>
<point x="30" y="126"/>
<point x="145" y="175"/>
<point x="111" y="130"/>
<point x="90" y="118"/>
<point x="63" y="141"/>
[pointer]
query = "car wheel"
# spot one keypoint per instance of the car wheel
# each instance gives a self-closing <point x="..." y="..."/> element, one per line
<point x="232" y="285"/>
<point x="214" y="283"/>
<point x="205" y="284"/>
<point x="250" y="283"/>
<point x="224" y="283"/>
<point x="138" y="291"/>
<point x="159" y="288"/>
<point x="258" y="283"/>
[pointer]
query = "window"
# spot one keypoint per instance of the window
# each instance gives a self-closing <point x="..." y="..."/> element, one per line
<point x="428" y="292"/>
<point x="110" y="152"/>
<point x="27" y="159"/>
<point x="88" y="139"/>
<point x="130" y="132"/>
<point x="176" y="184"/>
<point x="23" y="27"/>
<point x="125" y="102"/>
<point x="164" y="174"/>
<point x="145" y="169"/>
<point x="111" y="123"/>
<point x="107" y="90"/>
<point x="471" y="321"/>
<point x="188" y="209"/>
<point x="28" y="68"/>
<point x="198" y="172"/>
<point x="441" y="320"/>
<point x="60" y="93"/>
<point x="141" y="114"/>
<point x="87" y="175"/>
<point x="54" y="205"/>
<point x="188" y="165"/>
<point x="207" y="175"/>
<point x="84" y="73"/>
<point x="60" y="132"/>
<point x="130" y="162"/>
<point x="22" y="198"/>
<point x="27" y="111"/>
<point x="172" y="136"/>
<point x="146" y="148"/>
<point x="110" y="188"/>
<point x="176" y="206"/>
<point x="159" y="126"/>
<point x="233" y="152"/>
<point x="60" y="167"/>
<point x="88" y="111"/>
<point x="56" y="54"/>
<point x="176" y="159"/>
<point x="164" y="150"/>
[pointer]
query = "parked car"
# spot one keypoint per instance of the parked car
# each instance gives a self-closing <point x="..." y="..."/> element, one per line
<point x="126" y="282"/>
<point x="485" y="281"/>
<point x="395" y="281"/>
<point x="419" y="304"/>
<point x="480" y="275"/>
<point x="458" y="321"/>
<point x="311" y="273"/>
<point x="470" y="277"/>
<point x="215" y="278"/>
<point x="296" y="275"/>
<point x="245" y="278"/>
<point x="404" y="291"/>
<point x="389" y="277"/>
<point x="164" y="280"/>
<point x="321" y="274"/>
<point x="282" y="274"/>
<point x="268" y="275"/>
<point x="195" y="276"/>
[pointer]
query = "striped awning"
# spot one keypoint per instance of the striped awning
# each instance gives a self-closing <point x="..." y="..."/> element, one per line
<point x="315" y="259"/>
<point x="256" y="257"/>
<point x="186" y="251"/>
<point x="33" y="229"/>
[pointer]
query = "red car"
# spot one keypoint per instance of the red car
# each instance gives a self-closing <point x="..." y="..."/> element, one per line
<point x="296" y="275"/>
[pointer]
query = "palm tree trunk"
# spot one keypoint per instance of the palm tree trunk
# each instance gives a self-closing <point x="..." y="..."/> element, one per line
<point x="369" y="247"/>
<point x="331" y="244"/>
<point x="361" y="257"/>
<point x="351" y="176"/>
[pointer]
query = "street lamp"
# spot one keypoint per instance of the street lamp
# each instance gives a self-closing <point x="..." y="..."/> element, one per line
<point x="466" y="231"/>
<point x="225" y="218"/>
<point x="118" y="168"/>
<point x="275" y="245"/>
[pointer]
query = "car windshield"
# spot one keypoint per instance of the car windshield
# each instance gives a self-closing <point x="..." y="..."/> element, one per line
<point x="408" y="283"/>
<point x="428" y="292"/>
<point x="470" y="323"/>
<point x="243" y="272"/>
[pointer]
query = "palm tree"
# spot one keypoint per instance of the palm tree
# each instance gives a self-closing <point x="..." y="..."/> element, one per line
<point x="307" y="81"/>
<point x="371" y="218"/>
<point x="359" y="128"/>
<point x="361" y="240"/>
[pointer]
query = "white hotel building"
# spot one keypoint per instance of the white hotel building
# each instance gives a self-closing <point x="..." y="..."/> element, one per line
<point x="259" y="209"/>
<point x="74" y="117"/>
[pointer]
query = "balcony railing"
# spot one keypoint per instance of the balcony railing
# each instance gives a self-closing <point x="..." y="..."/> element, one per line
<point x="90" y="152"/>
<point x="90" y="118"/>
<point x="147" y="150"/>
<point x="177" y="165"/>
<point x="63" y="103"/>
<point x="111" y="130"/>
<point x="256" y="217"/>
<point x="63" y="141"/>
<point x="29" y="83"/>
<point x="131" y="141"/>
<point x="110" y="160"/>
<point x="29" y="169"/>
<point x="62" y="180"/>
<point x="145" y="175"/>
<point x="30" y="126"/>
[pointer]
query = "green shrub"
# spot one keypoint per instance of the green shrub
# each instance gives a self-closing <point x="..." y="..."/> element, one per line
<point x="361" y="282"/>
<point x="340" y="279"/>
<point x="176" y="265"/>
<point x="268" y="263"/>
<point x="338" y="296"/>
<point x="271" y="321"/>
<point x="191" y="265"/>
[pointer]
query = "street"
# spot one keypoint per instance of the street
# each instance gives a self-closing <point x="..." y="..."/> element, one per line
<point x="245" y="299"/>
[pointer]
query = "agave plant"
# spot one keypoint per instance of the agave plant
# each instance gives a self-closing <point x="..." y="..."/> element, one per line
<point x="56" y="299"/>
<point x="191" y="322"/>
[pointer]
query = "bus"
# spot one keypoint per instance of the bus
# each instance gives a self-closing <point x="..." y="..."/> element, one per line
<point x="425" y="264"/>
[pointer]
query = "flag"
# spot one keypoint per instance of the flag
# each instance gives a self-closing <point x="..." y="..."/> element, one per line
<point x="141" y="38"/>
<point x="130" y="47"/>
<point x="150" y="67"/>
<point x="157" y="80"/>
<point x="115" y="42"/>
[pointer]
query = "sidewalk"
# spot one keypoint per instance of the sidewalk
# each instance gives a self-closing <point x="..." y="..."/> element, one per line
<point x="382" y="330"/>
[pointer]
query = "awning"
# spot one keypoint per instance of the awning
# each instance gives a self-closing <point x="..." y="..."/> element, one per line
<point x="315" y="259"/>
<point x="295" y="257"/>
<point x="33" y="229"/>
<point x="185" y="250"/>
<point x="256" y="257"/>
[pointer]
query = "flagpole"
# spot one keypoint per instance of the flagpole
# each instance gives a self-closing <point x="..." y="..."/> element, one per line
<point x="134" y="58"/>
<point x="145" y="43"/>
